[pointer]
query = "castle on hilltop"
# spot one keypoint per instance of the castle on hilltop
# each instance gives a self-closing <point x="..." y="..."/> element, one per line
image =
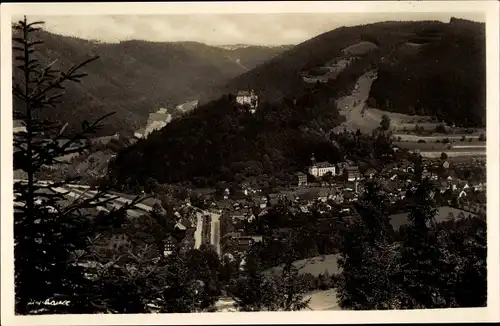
<point x="248" y="98"/>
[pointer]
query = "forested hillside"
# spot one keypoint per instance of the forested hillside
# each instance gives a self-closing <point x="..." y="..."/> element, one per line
<point x="440" y="72"/>
<point x="426" y="67"/>
<point x="222" y="140"/>
<point x="134" y="78"/>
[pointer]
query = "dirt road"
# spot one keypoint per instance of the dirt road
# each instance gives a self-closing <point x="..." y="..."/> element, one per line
<point x="215" y="231"/>
<point x="198" y="233"/>
<point x="351" y="107"/>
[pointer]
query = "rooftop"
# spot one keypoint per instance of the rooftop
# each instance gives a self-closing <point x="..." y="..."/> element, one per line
<point x="243" y="93"/>
<point x="324" y="164"/>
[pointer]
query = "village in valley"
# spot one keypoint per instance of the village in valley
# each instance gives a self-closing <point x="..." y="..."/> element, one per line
<point x="452" y="159"/>
<point x="228" y="218"/>
<point x="221" y="197"/>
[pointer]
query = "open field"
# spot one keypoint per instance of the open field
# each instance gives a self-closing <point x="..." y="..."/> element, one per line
<point x="443" y="213"/>
<point x="433" y="146"/>
<point x="323" y="300"/>
<point x="320" y="300"/>
<point x="453" y="154"/>
<point x="456" y="149"/>
<point x="409" y="137"/>
<point x="358" y="116"/>
<point x="398" y="120"/>
<point x="315" y="265"/>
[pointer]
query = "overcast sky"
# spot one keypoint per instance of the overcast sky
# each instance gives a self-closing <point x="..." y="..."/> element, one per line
<point x="263" y="29"/>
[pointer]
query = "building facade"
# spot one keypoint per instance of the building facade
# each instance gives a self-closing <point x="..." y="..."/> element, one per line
<point x="301" y="179"/>
<point x="353" y="173"/>
<point x="248" y="98"/>
<point x="321" y="168"/>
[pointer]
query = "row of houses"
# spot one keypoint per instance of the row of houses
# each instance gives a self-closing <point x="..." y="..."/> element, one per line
<point x="187" y="243"/>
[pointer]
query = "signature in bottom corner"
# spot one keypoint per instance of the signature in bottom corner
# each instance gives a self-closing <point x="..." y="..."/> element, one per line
<point x="49" y="302"/>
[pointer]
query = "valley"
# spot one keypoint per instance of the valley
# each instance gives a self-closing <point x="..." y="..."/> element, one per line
<point x="316" y="176"/>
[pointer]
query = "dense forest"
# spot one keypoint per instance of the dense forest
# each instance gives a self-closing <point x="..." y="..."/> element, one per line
<point x="223" y="141"/>
<point x="440" y="72"/>
<point x="87" y="260"/>
<point x="425" y="67"/>
<point x="133" y="78"/>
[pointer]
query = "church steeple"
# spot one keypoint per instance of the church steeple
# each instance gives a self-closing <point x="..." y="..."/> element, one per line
<point x="313" y="159"/>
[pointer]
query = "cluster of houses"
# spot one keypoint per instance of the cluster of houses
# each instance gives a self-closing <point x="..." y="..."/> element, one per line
<point x="323" y="197"/>
<point x="241" y="212"/>
<point x="183" y="237"/>
<point x="332" y="198"/>
<point x="320" y="169"/>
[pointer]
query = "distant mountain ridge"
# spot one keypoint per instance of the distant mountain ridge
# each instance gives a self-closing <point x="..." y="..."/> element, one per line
<point x="243" y="46"/>
<point x="134" y="78"/>
<point x="221" y="141"/>
<point x="458" y="51"/>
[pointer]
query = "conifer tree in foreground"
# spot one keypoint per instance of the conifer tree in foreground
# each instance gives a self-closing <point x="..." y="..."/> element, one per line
<point x="258" y="289"/>
<point x="367" y="257"/>
<point x="49" y="226"/>
<point x="443" y="265"/>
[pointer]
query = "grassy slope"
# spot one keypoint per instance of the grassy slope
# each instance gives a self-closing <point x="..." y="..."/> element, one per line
<point x="216" y="142"/>
<point x="281" y="75"/>
<point x="416" y="60"/>
<point x="444" y="76"/>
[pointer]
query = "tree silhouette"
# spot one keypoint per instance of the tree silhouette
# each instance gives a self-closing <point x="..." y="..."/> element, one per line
<point x="367" y="257"/>
<point x="51" y="231"/>
<point x="385" y="123"/>
<point x="428" y="264"/>
<point x="261" y="289"/>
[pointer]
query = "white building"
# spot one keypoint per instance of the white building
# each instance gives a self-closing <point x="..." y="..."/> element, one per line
<point x="248" y="98"/>
<point x="321" y="168"/>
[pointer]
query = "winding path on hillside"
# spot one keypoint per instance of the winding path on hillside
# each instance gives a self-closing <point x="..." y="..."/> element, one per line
<point x="351" y="106"/>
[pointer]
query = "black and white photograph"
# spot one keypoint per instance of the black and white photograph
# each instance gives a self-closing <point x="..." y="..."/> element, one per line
<point x="176" y="160"/>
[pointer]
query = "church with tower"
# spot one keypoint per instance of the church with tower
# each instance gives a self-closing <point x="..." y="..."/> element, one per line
<point x="318" y="169"/>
